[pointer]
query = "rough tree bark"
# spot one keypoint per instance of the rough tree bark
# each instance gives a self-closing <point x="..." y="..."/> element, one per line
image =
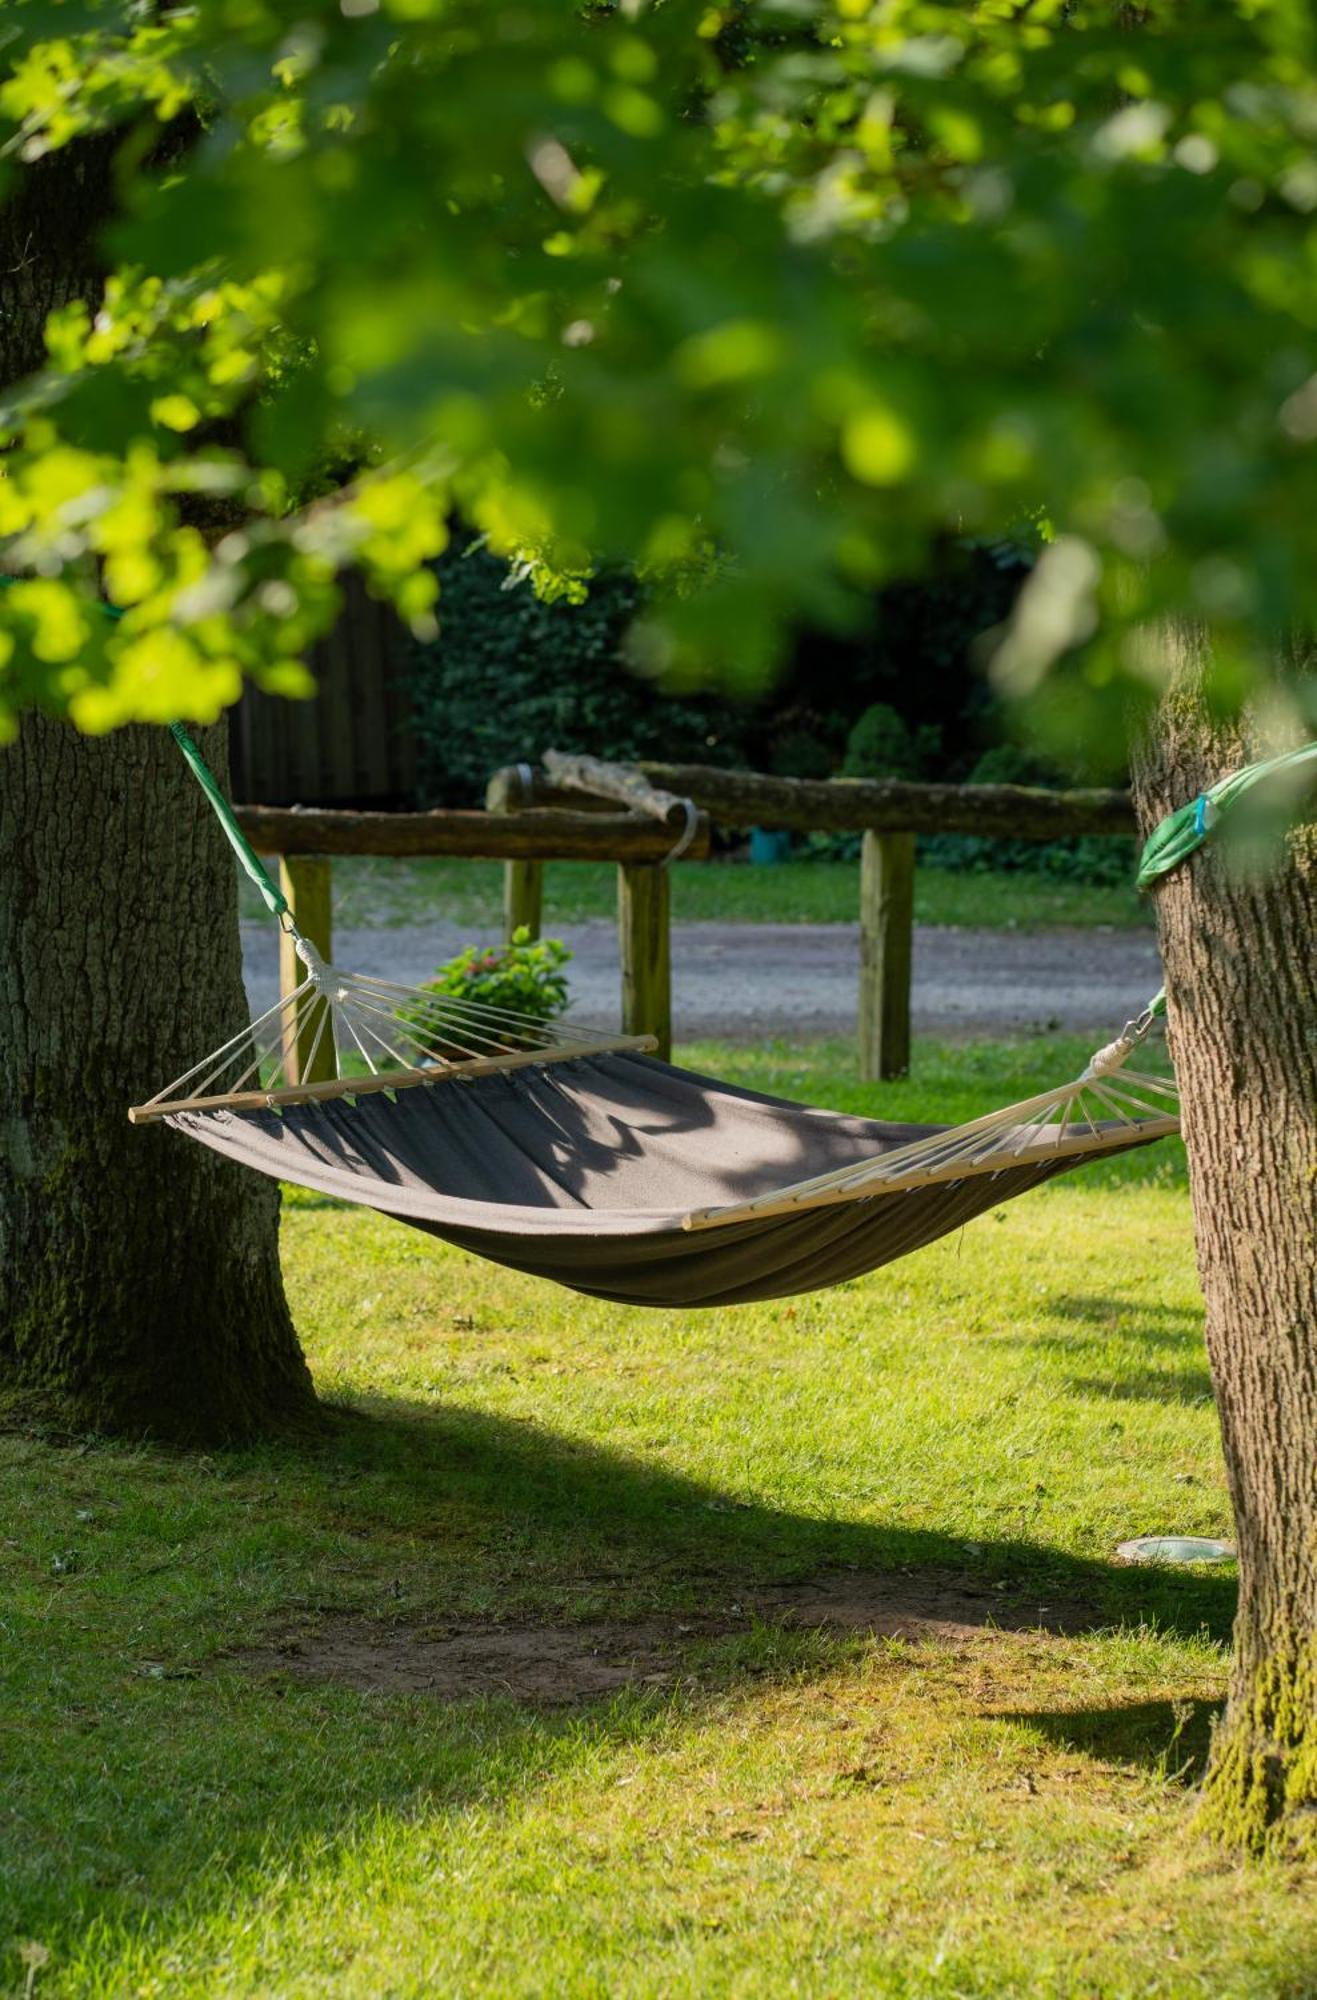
<point x="139" y="1277"/>
<point x="1239" y="946"/>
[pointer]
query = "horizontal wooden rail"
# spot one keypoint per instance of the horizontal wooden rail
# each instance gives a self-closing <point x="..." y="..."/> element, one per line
<point x="521" y="838"/>
<point x="477" y="836"/>
<point x="891" y="805"/>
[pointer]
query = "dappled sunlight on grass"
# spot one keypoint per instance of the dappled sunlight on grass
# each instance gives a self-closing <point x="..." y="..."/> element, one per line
<point x="899" y="1724"/>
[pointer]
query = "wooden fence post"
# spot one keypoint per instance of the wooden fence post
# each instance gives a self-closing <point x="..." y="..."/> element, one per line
<point x="307" y="880"/>
<point x="644" y="935"/>
<point x="523" y="881"/>
<point x="887" y="886"/>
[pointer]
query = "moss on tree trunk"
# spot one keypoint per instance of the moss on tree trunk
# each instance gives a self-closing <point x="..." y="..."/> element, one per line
<point x="1239" y="945"/>
<point x="139" y="1275"/>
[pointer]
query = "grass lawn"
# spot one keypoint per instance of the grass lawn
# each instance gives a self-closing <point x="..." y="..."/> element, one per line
<point x="775" y="1651"/>
<point x="368" y="891"/>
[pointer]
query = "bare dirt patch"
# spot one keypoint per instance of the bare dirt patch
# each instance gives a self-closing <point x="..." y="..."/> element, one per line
<point x="549" y="1665"/>
<point x="910" y="1605"/>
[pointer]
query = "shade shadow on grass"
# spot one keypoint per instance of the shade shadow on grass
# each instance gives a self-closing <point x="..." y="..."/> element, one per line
<point x="1158" y="1325"/>
<point x="193" y="1781"/>
<point x="1172" y="1738"/>
<point x="1186" y="1386"/>
<point x="586" y="1516"/>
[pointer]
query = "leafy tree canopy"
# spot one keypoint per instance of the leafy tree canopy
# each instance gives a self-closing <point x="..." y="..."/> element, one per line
<point x="760" y="297"/>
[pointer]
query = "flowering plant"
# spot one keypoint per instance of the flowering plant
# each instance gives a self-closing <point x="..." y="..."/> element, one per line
<point x="525" y="976"/>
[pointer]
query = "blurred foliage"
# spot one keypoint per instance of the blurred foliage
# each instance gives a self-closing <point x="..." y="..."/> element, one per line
<point x="759" y="299"/>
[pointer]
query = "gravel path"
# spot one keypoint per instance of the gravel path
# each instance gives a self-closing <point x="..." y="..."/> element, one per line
<point x="747" y="982"/>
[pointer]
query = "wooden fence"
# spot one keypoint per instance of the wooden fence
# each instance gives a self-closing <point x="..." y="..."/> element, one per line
<point x="524" y="839"/>
<point x="887" y="813"/>
<point x="568" y="810"/>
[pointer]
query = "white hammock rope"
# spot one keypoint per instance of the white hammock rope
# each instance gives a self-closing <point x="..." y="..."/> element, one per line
<point x="343" y="1034"/>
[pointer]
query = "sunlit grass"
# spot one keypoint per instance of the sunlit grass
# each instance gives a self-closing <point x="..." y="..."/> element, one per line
<point x="971" y="1812"/>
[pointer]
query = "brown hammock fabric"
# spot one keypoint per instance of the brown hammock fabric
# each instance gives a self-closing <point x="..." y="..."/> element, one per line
<point x="584" y="1172"/>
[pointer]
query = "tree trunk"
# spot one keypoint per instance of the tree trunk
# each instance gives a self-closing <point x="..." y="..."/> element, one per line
<point x="139" y="1274"/>
<point x="1239" y="945"/>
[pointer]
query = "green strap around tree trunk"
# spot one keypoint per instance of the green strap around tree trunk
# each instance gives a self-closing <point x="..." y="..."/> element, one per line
<point x="1183" y="832"/>
<point x="275" y="902"/>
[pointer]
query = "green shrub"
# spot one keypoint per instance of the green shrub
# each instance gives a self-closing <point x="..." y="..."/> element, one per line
<point x="882" y="744"/>
<point x="509" y="677"/>
<point x="1013" y="764"/>
<point x="522" y="977"/>
<point x="800" y="753"/>
<point x="828" y="847"/>
<point x="526" y="976"/>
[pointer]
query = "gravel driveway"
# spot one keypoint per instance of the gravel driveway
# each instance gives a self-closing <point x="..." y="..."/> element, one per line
<point x="748" y="982"/>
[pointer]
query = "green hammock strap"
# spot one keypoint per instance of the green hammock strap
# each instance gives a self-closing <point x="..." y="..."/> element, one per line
<point x="275" y="902"/>
<point x="1183" y="832"/>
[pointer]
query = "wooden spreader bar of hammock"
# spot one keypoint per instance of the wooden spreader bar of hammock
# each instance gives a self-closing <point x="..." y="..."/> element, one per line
<point x="885" y="1176"/>
<point x="395" y="1079"/>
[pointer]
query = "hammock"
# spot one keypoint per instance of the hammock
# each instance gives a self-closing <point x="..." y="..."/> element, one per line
<point x="581" y="1158"/>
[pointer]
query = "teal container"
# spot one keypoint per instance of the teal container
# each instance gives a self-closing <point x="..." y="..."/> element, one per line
<point x="768" y="845"/>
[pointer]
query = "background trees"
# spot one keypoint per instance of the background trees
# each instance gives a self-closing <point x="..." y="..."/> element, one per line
<point x="764" y="301"/>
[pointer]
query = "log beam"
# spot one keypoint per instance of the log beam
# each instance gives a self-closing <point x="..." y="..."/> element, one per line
<point x="891" y="805"/>
<point x="521" y="786"/>
<point x="520" y="836"/>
